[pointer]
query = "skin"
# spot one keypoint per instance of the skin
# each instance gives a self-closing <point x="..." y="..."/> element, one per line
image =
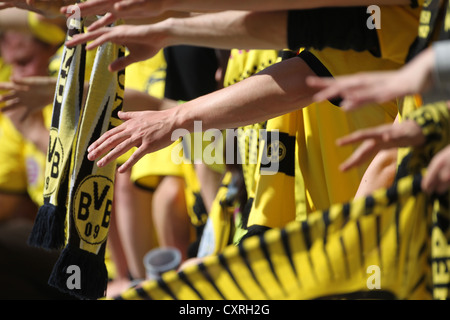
<point x="231" y="107"/>
<point x="20" y="51"/>
<point x="378" y="87"/>
<point x="145" y="8"/>
<point x="222" y="30"/>
<point x="437" y="178"/>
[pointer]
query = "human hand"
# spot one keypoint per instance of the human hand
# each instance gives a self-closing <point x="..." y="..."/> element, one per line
<point x="377" y="87"/>
<point x="149" y="131"/>
<point x="143" y="42"/>
<point x="397" y="135"/>
<point x="116" y="9"/>
<point x="45" y="7"/>
<point x="437" y="177"/>
<point x="358" y="90"/>
<point x="30" y="94"/>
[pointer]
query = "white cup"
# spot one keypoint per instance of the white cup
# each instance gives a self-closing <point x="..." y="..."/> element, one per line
<point x="161" y="260"/>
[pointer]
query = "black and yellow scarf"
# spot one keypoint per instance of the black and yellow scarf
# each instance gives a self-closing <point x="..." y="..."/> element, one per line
<point x="48" y="230"/>
<point x="77" y="211"/>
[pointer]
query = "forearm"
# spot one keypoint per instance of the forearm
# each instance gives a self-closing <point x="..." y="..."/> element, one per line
<point x="135" y="100"/>
<point x="268" y="94"/>
<point x="269" y="5"/>
<point x="230" y="29"/>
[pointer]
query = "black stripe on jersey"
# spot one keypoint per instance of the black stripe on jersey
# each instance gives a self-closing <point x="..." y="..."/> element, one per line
<point x="378" y="235"/>
<point x="163" y="285"/>
<point x="306" y="235"/>
<point x="392" y="193"/>
<point x="207" y="276"/>
<point x="265" y="250"/>
<point x="326" y="223"/>
<point x="344" y="251"/>
<point x="287" y="251"/>
<point x="328" y="262"/>
<point x="345" y="213"/>
<point x="369" y="205"/>
<point x="185" y="279"/>
<point x="361" y="251"/>
<point x="417" y="285"/>
<point x="142" y="293"/>
<point x="307" y="239"/>
<point x="358" y="295"/>
<point x="319" y="69"/>
<point x="286" y="160"/>
<point x="224" y="264"/>
<point x="397" y="231"/>
<point x="243" y="255"/>
<point x="416" y="184"/>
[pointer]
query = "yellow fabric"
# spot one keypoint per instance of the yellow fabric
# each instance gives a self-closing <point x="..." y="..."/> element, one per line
<point x="392" y="244"/>
<point x="12" y="168"/>
<point x="222" y="219"/>
<point x="45" y="31"/>
<point x="274" y="200"/>
<point x="194" y="204"/>
<point x="319" y="183"/>
<point x="35" y="164"/>
<point x="380" y="247"/>
<point x="241" y="65"/>
<point x="149" y="76"/>
<point x="398" y="31"/>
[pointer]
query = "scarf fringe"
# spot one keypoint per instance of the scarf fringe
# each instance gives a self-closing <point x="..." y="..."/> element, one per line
<point x="48" y="229"/>
<point x="93" y="275"/>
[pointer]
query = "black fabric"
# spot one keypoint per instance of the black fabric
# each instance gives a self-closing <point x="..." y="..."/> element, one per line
<point x="337" y="28"/>
<point x="190" y="72"/>
<point x="254" y="230"/>
<point x="319" y="69"/>
<point x="24" y="270"/>
<point x="433" y="24"/>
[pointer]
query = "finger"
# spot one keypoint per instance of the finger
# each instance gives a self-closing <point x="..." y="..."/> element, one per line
<point x="430" y="180"/>
<point x="133" y="159"/>
<point x="11" y="104"/>
<point x="122" y="63"/>
<point x="24" y="82"/>
<point x="319" y="82"/>
<point x="8" y="96"/>
<point x="93" y="7"/>
<point x="7" y="86"/>
<point x="96" y="148"/>
<point x="361" y="135"/>
<point x="107" y="19"/>
<point x="125" y="5"/>
<point x="115" y="153"/>
<point x="107" y="36"/>
<point x="336" y="87"/>
<point x="83" y="38"/>
<point x="128" y="115"/>
<point x="361" y="155"/>
<point x="442" y="186"/>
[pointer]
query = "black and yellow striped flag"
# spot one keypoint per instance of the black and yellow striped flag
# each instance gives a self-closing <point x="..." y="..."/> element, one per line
<point x="393" y="244"/>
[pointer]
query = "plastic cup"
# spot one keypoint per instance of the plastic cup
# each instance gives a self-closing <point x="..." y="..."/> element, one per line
<point x="161" y="260"/>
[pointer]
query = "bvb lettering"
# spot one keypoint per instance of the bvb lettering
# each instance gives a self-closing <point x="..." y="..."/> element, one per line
<point x="93" y="207"/>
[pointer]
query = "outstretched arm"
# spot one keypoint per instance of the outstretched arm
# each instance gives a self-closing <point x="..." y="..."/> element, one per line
<point x="282" y="89"/>
<point x="378" y="87"/>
